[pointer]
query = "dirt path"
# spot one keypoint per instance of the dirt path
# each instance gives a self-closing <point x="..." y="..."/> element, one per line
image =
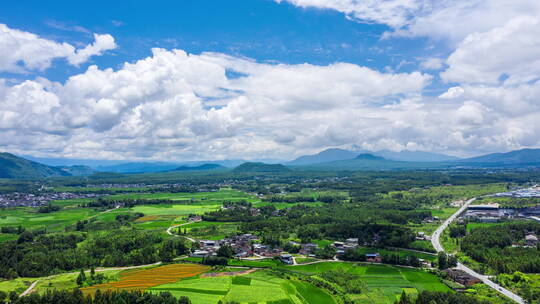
<point x="169" y="231"/>
<point x="29" y="289"/>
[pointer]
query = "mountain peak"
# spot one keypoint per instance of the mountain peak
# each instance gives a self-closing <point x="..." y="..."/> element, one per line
<point x="331" y="154"/>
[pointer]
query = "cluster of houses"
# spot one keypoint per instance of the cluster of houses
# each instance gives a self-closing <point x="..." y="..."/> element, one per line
<point x="241" y="245"/>
<point x="247" y="245"/>
<point x="18" y="199"/>
<point x="252" y="211"/>
<point x="342" y="247"/>
<point x="352" y="243"/>
<point x="461" y="277"/>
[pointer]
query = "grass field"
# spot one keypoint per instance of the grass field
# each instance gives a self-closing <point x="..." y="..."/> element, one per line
<point x="257" y="287"/>
<point x="18" y="285"/>
<point x="210" y="230"/>
<point x="68" y="280"/>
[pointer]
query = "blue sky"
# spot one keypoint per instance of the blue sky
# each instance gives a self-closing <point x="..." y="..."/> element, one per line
<point x="260" y="29"/>
<point x="184" y="80"/>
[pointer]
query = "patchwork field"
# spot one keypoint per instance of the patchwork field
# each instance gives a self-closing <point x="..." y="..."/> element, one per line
<point x="257" y="287"/>
<point x="163" y="216"/>
<point x="224" y="194"/>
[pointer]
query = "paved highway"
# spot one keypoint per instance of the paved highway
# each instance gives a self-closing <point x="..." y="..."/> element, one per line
<point x="435" y="240"/>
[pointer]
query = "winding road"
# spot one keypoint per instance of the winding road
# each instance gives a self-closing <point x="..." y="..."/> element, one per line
<point x="169" y="231"/>
<point x="435" y="241"/>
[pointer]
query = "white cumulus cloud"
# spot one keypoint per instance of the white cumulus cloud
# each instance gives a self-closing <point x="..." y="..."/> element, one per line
<point x="21" y="51"/>
<point x="453" y="92"/>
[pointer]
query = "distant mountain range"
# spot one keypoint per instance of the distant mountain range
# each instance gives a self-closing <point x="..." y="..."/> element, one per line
<point x="335" y="154"/>
<point x="138" y="167"/>
<point x="148" y="167"/>
<point x="367" y="161"/>
<point x="204" y="167"/>
<point x="415" y="156"/>
<point x="523" y="156"/>
<point x="12" y="166"/>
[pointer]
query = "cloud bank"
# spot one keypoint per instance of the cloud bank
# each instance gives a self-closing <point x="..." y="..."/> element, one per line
<point x="173" y="105"/>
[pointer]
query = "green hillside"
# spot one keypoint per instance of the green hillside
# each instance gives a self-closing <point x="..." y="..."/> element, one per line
<point x="12" y="166"/>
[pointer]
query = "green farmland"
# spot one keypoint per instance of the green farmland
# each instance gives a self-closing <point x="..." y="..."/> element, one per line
<point x="257" y="287"/>
<point x="384" y="283"/>
<point x="29" y="218"/>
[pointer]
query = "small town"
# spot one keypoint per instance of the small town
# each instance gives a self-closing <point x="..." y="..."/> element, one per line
<point x="17" y="199"/>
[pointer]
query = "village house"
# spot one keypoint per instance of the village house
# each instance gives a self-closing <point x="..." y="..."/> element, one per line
<point x="207" y="243"/>
<point x="287" y="259"/>
<point x="194" y="218"/>
<point x="200" y="253"/>
<point x="352" y="241"/>
<point x="308" y="249"/>
<point x="338" y="244"/>
<point x="531" y="240"/>
<point x="373" y="257"/>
